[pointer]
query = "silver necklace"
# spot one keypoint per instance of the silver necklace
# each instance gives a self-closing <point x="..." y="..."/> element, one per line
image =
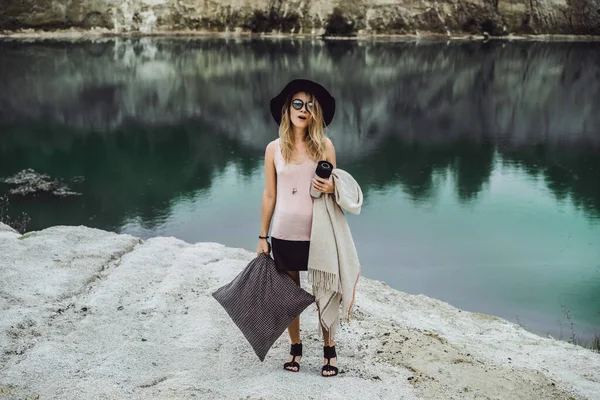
<point x="294" y="189"/>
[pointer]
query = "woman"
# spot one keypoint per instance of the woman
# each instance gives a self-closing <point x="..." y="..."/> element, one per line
<point x="303" y="109"/>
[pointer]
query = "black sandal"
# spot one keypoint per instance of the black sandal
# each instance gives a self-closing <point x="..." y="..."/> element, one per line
<point x="296" y="350"/>
<point x="329" y="353"/>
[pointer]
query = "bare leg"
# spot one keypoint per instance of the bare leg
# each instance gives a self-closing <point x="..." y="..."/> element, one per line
<point x="327" y="341"/>
<point x="294" y="327"/>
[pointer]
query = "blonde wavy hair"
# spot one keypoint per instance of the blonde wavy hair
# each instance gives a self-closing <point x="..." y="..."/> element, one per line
<point x="315" y="132"/>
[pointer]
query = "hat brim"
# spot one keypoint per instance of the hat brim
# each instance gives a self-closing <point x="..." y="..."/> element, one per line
<point x="325" y="99"/>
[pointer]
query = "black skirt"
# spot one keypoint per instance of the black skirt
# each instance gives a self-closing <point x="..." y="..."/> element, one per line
<point x="290" y="255"/>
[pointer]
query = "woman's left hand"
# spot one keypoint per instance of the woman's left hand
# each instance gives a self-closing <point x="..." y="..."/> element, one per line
<point x="323" y="185"/>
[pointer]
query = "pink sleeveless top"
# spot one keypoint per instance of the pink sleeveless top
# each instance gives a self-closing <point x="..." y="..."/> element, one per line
<point x="292" y="219"/>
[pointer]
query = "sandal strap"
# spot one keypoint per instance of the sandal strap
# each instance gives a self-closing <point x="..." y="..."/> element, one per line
<point x="329" y="352"/>
<point x="296" y="349"/>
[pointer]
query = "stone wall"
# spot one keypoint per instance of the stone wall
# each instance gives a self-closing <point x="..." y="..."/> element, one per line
<point x="316" y="17"/>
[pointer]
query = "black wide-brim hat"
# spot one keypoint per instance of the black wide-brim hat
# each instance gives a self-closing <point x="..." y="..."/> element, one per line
<point x="325" y="99"/>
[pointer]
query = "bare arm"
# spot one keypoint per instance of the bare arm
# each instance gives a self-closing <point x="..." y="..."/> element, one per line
<point x="269" y="196"/>
<point x="330" y="153"/>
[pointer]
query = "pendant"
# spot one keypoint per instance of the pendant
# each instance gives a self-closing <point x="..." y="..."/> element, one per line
<point x="294" y="191"/>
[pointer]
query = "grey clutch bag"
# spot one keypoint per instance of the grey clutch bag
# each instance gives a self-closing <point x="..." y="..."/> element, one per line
<point x="262" y="301"/>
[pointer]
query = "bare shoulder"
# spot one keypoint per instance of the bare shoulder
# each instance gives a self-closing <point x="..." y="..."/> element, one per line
<point x="330" y="152"/>
<point x="329" y="144"/>
<point x="270" y="149"/>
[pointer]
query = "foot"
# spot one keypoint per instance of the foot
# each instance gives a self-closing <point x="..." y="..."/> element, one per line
<point x="332" y="362"/>
<point x="292" y="358"/>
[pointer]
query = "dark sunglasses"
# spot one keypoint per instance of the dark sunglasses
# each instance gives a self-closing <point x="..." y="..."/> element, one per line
<point x="298" y="104"/>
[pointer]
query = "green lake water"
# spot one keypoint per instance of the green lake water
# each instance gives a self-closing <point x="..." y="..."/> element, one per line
<point x="479" y="162"/>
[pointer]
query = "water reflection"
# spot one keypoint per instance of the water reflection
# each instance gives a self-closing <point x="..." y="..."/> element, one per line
<point x="570" y="175"/>
<point x="133" y="172"/>
<point x="517" y="93"/>
<point x="415" y="164"/>
<point x="163" y="108"/>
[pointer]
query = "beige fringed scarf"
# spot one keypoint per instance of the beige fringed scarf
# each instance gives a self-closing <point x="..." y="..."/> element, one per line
<point x="333" y="266"/>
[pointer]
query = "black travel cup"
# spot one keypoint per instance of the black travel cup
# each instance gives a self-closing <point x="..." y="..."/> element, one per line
<point x="324" y="169"/>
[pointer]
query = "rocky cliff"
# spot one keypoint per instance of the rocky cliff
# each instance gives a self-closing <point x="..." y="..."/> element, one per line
<point x="312" y="17"/>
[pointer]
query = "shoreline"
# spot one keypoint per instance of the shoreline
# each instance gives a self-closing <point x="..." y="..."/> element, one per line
<point x="91" y="313"/>
<point x="73" y="33"/>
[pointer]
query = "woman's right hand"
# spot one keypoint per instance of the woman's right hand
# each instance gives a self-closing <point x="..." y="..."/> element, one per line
<point x="263" y="246"/>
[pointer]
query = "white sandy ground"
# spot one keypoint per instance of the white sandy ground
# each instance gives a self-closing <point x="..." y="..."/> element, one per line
<point x="89" y="314"/>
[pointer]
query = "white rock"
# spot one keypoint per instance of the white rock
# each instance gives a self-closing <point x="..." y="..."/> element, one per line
<point x="88" y="314"/>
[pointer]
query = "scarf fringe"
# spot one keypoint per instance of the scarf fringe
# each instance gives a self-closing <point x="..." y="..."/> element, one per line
<point x="324" y="280"/>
